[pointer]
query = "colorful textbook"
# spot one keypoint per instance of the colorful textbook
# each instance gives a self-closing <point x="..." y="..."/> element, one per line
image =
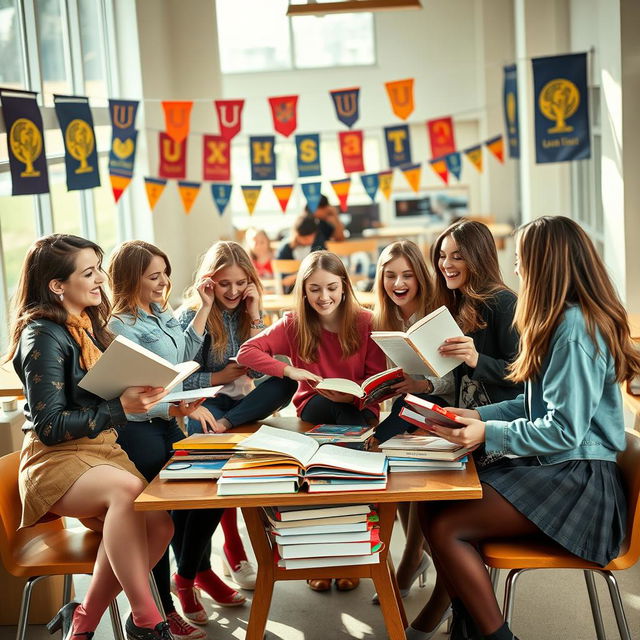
<point x="376" y="388"/>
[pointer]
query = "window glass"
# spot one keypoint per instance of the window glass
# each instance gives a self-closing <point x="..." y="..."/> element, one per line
<point x="11" y="57"/>
<point x="93" y="62"/>
<point x="65" y="204"/>
<point x="105" y="210"/>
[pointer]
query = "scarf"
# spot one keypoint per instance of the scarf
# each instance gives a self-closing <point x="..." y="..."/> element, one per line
<point x="80" y="327"/>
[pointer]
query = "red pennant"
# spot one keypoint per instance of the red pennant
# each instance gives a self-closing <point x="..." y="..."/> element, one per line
<point x="229" y="117"/>
<point x="216" y="159"/>
<point x="283" y="193"/>
<point x="173" y="157"/>
<point x="284" y="112"/>
<point x="441" y="136"/>
<point x="439" y="165"/>
<point x="341" y="187"/>
<point x="351" y="148"/>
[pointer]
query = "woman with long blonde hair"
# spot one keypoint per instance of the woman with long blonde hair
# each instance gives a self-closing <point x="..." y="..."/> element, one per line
<point x="557" y="476"/>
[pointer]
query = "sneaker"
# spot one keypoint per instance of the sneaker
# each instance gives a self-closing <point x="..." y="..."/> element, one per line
<point x="244" y="575"/>
<point x="182" y="630"/>
<point x="159" y="632"/>
<point x="192" y="608"/>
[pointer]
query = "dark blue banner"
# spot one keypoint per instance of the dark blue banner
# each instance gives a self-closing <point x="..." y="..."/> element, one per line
<point x="371" y="182"/>
<point x="123" y="137"/>
<point x="454" y="164"/>
<point x="25" y="142"/>
<point x="398" y="145"/>
<point x="263" y="157"/>
<point x="221" y="195"/>
<point x="510" y="104"/>
<point x="312" y="192"/>
<point x="346" y="103"/>
<point x="81" y="156"/>
<point x="561" y="105"/>
<point x="308" y="154"/>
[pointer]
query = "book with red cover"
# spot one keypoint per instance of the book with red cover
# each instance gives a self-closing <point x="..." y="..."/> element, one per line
<point x="424" y="413"/>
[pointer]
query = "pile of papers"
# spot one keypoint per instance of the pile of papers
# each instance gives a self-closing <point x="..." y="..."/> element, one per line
<point x="408" y="452"/>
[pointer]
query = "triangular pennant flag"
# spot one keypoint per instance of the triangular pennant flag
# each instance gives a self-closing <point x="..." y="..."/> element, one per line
<point x="454" y="164"/>
<point x="118" y="184"/>
<point x="413" y="173"/>
<point x="496" y="146"/>
<point x="177" y="116"/>
<point x="312" y="192"/>
<point x="341" y="187"/>
<point x="439" y="165"/>
<point x="283" y="193"/>
<point x="386" y="183"/>
<point x="284" y="112"/>
<point x="188" y="193"/>
<point x="221" y="194"/>
<point x="370" y="182"/>
<point x="475" y="156"/>
<point x="401" y="97"/>
<point x="251" y="193"/>
<point x="154" y="188"/>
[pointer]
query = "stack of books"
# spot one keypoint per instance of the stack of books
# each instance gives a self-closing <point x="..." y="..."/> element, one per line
<point x="353" y="436"/>
<point x="408" y="452"/>
<point x="278" y="461"/>
<point x="324" y="535"/>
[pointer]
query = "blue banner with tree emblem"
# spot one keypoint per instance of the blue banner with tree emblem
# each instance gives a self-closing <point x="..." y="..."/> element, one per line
<point x="263" y="157"/>
<point x="312" y="192"/>
<point x="398" y="145"/>
<point x="308" y="154"/>
<point x="25" y="142"/>
<point x="221" y="194"/>
<point x="510" y="104"/>
<point x="123" y="144"/>
<point x="561" y="105"/>
<point x="81" y="156"/>
<point x="346" y="103"/>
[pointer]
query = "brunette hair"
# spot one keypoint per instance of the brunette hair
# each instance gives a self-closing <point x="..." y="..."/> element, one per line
<point x="559" y="266"/>
<point x="307" y="321"/>
<point x="49" y="258"/>
<point x="478" y="249"/>
<point x="219" y="256"/>
<point x="127" y="265"/>
<point x="386" y="316"/>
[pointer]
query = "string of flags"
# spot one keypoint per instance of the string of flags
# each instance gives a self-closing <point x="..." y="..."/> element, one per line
<point x="560" y="96"/>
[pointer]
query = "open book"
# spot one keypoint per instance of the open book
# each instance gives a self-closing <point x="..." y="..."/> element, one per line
<point x="126" y="364"/>
<point x="416" y="349"/>
<point x="376" y="388"/>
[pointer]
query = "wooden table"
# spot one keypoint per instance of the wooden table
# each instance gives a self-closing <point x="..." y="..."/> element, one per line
<point x="634" y="322"/>
<point x="402" y="487"/>
<point x="274" y="302"/>
<point x="10" y="384"/>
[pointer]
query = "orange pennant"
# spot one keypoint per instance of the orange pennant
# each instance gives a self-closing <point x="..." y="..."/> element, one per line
<point x="188" y="193"/>
<point x="283" y="193"/>
<point x="401" y="97"/>
<point x="386" y="183"/>
<point x="496" y="146"/>
<point x="154" y="188"/>
<point x="475" y="156"/>
<point x="177" y="116"/>
<point x="439" y="165"/>
<point x="341" y="187"/>
<point x="118" y="184"/>
<point x="412" y="173"/>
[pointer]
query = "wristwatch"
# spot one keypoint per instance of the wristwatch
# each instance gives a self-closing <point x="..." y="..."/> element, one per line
<point x="429" y="387"/>
<point x="257" y="324"/>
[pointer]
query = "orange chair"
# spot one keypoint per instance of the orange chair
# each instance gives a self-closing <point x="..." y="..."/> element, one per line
<point x="283" y="268"/>
<point x="520" y="556"/>
<point x="43" y="550"/>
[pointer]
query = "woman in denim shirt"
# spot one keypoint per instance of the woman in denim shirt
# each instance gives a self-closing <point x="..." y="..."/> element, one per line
<point x="139" y="274"/>
<point x="559" y="440"/>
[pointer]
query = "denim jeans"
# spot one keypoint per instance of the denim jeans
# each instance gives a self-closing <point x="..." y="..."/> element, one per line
<point x="321" y="410"/>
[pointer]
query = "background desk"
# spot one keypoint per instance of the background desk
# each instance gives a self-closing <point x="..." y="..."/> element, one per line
<point x="275" y="303"/>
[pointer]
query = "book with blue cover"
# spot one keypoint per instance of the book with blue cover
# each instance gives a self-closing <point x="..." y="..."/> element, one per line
<point x="196" y="470"/>
<point x="340" y="432"/>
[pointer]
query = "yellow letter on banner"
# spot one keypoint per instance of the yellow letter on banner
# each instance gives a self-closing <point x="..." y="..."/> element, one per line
<point x="397" y="136"/>
<point x="401" y="97"/>
<point x="351" y="144"/>
<point x="262" y="152"/>
<point x="308" y="151"/>
<point x="216" y="151"/>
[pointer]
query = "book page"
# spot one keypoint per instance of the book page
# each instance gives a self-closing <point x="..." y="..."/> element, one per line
<point x="401" y="354"/>
<point x="193" y="394"/>
<point x="296" y="445"/>
<point x="329" y="455"/>
<point x="341" y="384"/>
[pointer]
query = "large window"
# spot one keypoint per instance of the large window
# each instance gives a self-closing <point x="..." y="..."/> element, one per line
<point x="270" y="41"/>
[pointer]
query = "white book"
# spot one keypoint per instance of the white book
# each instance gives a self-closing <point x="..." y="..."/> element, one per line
<point x="126" y="364"/>
<point x="266" y="485"/>
<point x="192" y="470"/>
<point x="193" y="394"/>
<point x="321" y="550"/>
<point x="350" y="536"/>
<point x="400" y="469"/>
<point x="313" y="529"/>
<point x="416" y="349"/>
<point x="336" y="561"/>
<point x="326" y="486"/>
<point x="412" y="441"/>
<point x="318" y="512"/>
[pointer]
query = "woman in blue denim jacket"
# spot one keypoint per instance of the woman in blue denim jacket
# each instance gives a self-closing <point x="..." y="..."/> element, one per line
<point x="559" y="440"/>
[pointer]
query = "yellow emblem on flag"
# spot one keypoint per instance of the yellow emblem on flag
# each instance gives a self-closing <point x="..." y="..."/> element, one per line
<point x="79" y="141"/>
<point x="25" y="141"/>
<point x="122" y="148"/>
<point x="188" y="193"/>
<point x="251" y="195"/>
<point x="413" y="174"/>
<point x="559" y="99"/>
<point x="386" y="183"/>
<point x="401" y="97"/>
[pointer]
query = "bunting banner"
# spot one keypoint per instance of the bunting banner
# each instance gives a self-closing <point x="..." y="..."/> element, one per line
<point x="398" y="145"/>
<point x="561" y="105"/>
<point x="308" y="154"/>
<point x="496" y="146"/>
<point x="312" y="192"/>
<point x="351" y="148"/>
<point x="439" y="167"/>
<point x="413" y="173"/>
<point x="173" y="157"/>
<point x="229" y="117"/>
<point x="454" y="164"/>
<point x="441" y="136"/>
<point x="216" y="159"/>
<point x="346" y="103"/>
<point x="400" y="95"/>
<point x="475" y="156"/>
<point x="251" y="194"/>
<point x="341" y="187"/>
<point x="188" y="193"/>
<point x="510" y="104"/>
<point x="221" y="194"/>
<point x="25" y="142"/>
<point x="283" y="193"/>
<point x="263" y="157"/>
<point x="284" y="112"/>
<point x="177" y="118"/>
<point x="80" y="154"/>
<point x="154" y="188"/>
<point x="386" y="183"/>
<point x="123" y="144"/>
<point x="371" y="182"/>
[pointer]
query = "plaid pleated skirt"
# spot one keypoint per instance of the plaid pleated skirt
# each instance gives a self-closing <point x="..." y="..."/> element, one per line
<point x="580" y="504"/>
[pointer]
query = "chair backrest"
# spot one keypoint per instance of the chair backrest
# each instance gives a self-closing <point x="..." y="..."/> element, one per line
<point x="349" y="247"/>
<point x="11" y="511"/>
<point x="629" y="463"/>
<point x="283" y="268"/>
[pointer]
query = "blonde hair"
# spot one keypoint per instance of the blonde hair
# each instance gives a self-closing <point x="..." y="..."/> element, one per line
<point x="251" y="234"/>
<point x="307" y="322"/>
<point x="559" y="266"/>
<point x="220" y="256"/>
<point x="386" y="316"/>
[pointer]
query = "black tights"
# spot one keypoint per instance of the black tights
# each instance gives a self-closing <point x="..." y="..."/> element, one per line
<point x="453" y="530"/>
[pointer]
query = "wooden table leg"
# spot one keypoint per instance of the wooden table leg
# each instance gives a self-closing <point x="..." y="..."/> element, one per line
<point x="261" y="601"/>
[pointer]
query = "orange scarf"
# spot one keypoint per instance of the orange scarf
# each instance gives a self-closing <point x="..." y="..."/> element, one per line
<point x="80" y="327"/>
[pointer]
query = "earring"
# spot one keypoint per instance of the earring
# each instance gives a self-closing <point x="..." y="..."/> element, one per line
<point x="61" y="296"/>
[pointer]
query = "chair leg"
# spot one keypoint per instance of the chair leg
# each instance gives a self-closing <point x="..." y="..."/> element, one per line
<point x="116" y="620"/>
<point x="510" y="593"/>
<point x="23" y="619"/>
<point x="616" y="601"/>
<point x="156" y="595"/>
<point x="595" y="605"/>
<point x="494" y="574"/>
<point x="66" y="588"/>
